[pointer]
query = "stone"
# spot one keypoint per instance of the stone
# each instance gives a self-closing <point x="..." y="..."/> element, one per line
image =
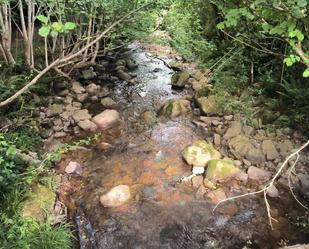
<point x="228" y="117"/>
<point x="200" y="192"/>
<point x="88" y="74"/>
<point x="77" y="88"/>
<point x="108" y="102"/>
<point x="92" y="89"/>
<point x="240" y="145"/>
<point x="304" y="185"/>
<point x="123" y="75"/>
<point x="87" y="125"/>
<point x="180" y="79"/>
<point x="248" y="130"/>
<point x="116" y="197"/>
<point x="149" y="117"/>
<point x="73" y="168"/>
<point x="175" y="65"/>
<point x="174" y="108"/>
<point x="81" y="97"/>
<point x="55" y="109"/>
<point x="63" y="93"/>
<point x="269" y="150"/>
<point x="220" y="169"/>
<point x="199" y="153"/>
<point x="209" y="105"/>
<point x="209" y="184"/>
<point x="80" y="115"/>
<point x="255" y="156"/>
<point x="60" y="134"/>
<point x="243" y="177"/>
<point x="216" y="196"/>
<point x="285" y="148"/>
<point x="273" y="192"/>
<point x="217" y="140"/>
<point x="107" y="119"/>
<point x="198" y="170"/>
<point x="234" y="130"/>
<point x="298" y="246"/>
<point x="228" y="208"/>
<point x="197" y="181"/>
<point x="131" y="65"/>
<point x="257" y="175"/>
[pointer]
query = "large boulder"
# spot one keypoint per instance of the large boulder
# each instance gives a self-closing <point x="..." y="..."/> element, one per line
<point x="220" y="169"/>
<point x="116" y="197"/>
<point x="200" y="153"/>
<point x="180" y="79"/>
<point x="209" y="105"/>
<point x="174" y="108"/>
<point x="269" y="150"/>
<point x="240" y="146"/>
<point x="106" y="119"/>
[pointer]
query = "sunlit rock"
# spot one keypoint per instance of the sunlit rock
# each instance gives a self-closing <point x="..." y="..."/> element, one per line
<point x="116" y="197"/>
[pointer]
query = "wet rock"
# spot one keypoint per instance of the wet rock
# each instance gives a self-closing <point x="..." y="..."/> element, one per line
<point x="240" y="145"/>
<point x="116" y="197"/>
<point x="234" y="130"/>
<point x="175" y="65"/>
<point x="273" y="192"/>
<point x="197" y="181"/>
<point x="269" y="150"/>
<point x="88" y="74"/>
<point x="77" y="88"/>
<point x="87" y="125"/>
<point x="103" y="92"/>
<point x="73" y="168"/>
<point x="304" y="185"/>
<point x="220" y="169"/>
<point x="92" y="89"/>
<point x="149" y="117"/>
<point x="200" y="153"/>
<point x="256" y="175"/>
<point x="123" y="75"/>
<point x="228" y="208"/>
<point x="216" y="196"/>
<point x="200" y="192"/>
<point x="255" y="156"/>
<point x="208" y="105"/>
<point x="81" y="115"/>
<point x="108" y="102"/>
<point x="285" y="148"/>
<point x="82" y="97"/>
<point x="174" y="108"/>
<point x="106" y="119"/>
<point x="180" y="79"/>
<point x="131" y="65"/>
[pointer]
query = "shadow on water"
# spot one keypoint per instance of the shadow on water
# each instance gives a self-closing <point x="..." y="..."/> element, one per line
<point x="163" y="213"/>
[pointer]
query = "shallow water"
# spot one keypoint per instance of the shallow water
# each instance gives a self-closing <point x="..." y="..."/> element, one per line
<point x="163" y="212"/>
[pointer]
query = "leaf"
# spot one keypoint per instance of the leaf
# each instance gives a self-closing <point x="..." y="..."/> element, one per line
<point x="57" y="26"/>
<point x="220" y="25"/>
<point x="43" y="19"/>
<point x="44" y="31"/>
<point x="69" y="26"/>
<point x="300" y="36"/>
<point x="306" y="73"/>
<point x="288" y="61"/>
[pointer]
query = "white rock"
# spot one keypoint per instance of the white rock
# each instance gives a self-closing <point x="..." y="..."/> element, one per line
<point x="198" y="170"/>
<point x="116" y="197"/>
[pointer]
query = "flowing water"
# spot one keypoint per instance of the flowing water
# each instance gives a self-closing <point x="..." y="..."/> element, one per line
<point x="163" y="212"/>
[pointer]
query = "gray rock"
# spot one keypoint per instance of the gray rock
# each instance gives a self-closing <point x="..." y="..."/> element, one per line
<point x="80" y="115"/>
<point x="174" y="108"/>
<point x="93" y="89"/>
<point x="255" y="156"/>
<point x="285" y="147"/>
<point x="240" y="146"/>
<point x="269" y="150"/>
<point x="304" y="185"/>
<point x="73" y="168"/>
<point x="55" y="109"/>
<point x="209" y="105"/>
<point x="123" y="75"/>
<point x="82" y="97"/>
<point x="107" y="119"/>
<point x="273" y="192"/>
<point x="88" y="74"/>
<point x="217" y="140"/>
<point x="60" y="134"/>
<point x="234" y="130"/>
<point x="257" y="175"/>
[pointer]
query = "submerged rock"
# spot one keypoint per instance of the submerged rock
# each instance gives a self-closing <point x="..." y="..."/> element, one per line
<point x="200" y="153"/>
<point x="108" y="102"/>
<point x="106" y="119"/>
<point x="174" y="108"/>
<point x="219" y="169"/>
<point x="180" y="79"/>
<point x="116" y="197"/>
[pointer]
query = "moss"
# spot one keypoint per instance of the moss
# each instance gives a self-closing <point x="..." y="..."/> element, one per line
<point x="218" y="169"/>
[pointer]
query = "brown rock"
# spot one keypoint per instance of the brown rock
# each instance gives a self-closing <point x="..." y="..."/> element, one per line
<point x="234" y="130"/>
<point x="106" y="119"/>
<point x="73" y="168"/>
<point x="200" y="192"/>
<point x="269" y="150"/>
<point x="256" y="175"/>
<point x="255" y="156"/>
<point x="87" y="125"/>
<point x="216" y="196"/>
<point x="80" y="115"/>
<point x="116" y="197"/>
<point x="197" y="181"/>
<point x="217" y="139"/>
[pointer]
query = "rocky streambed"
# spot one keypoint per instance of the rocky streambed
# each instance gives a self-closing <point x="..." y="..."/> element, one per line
<point x="157" y="121"/>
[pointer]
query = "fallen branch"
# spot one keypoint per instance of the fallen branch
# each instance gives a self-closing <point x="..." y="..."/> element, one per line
<point x="58" y="62"/>
<point x="271" y="184"/>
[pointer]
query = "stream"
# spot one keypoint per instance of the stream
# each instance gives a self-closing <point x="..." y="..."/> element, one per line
<point x="145" y="154"/>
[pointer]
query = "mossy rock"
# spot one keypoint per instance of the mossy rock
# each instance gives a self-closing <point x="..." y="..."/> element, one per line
<point x="220" y="169"/>
<point x="203" y="92"/>
<point x="39" y="203"/>
<point x="180" y="79"/>
<point x="200" y="153"/>
<point x="174" y="108"/>
<point x="209" y="105"/>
